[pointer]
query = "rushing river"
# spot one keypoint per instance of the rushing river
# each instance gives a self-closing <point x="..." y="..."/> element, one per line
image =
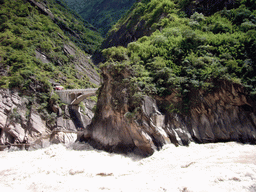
<point x="208" y="167"/>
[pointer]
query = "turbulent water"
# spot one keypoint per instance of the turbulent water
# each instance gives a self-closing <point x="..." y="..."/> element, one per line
<point x="208" y="167"/>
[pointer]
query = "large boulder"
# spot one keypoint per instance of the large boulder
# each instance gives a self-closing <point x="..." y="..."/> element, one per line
<point x="71" y="122"/>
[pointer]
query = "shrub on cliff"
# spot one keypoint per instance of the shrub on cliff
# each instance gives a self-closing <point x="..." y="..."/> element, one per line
<point x="191" y="53"/>
<point x="33" y="51"/>
<point x="23" y="31"/>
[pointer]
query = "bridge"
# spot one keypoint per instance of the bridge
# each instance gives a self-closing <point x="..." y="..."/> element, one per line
<point x="75" y="96"/>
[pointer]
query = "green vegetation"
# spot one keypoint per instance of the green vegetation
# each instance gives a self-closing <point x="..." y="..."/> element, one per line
<point x="26" y="33"/>
<point x="23" y="31"/>
<point x="101" y="13"/>
<point x="188" y="53"/>
<point x="146" y="12"/>
<point x="182" y="54"/>
<point x="77" y="29"/>
<point x="210" y="7"/>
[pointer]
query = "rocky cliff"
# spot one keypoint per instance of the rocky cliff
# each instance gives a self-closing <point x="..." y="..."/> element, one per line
<point x="30" y="113"/>
<point x="126" y="122"/>
<point x="21" y="125"/>
<point x="19" y="121"/>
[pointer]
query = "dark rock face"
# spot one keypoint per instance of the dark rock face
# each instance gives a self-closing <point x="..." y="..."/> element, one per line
<point x="208" y="7"/>
<point x="113" y="129"/>
<point x="224" y="114"/>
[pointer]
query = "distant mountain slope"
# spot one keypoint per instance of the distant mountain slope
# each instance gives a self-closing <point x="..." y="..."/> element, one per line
<point x="159" y="35"/>
<point x="36" y="36"/>
<point x="42" y="44"/>
<point x="101" y="13"/>
<point x="36" y="50"/>
<point x="77" y="29"/>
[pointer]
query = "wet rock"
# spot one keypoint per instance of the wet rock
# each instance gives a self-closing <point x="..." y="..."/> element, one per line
<point x="71" y="124"/>
<point x="17" y="132"/>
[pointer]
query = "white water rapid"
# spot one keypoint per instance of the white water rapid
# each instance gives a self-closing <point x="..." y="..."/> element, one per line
<point x="219" y="167"/>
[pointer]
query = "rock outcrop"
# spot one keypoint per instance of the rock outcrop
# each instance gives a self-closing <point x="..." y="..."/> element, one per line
<point x="71" y="122"/>
<point x="124" y="124"/>
<point x="81" y="61"/>
<point x="224" y="114"/>
<point x="19" y="121"/>
<point x="21" y="124"/>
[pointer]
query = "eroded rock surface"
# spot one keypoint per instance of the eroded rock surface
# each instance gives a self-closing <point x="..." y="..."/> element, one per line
<point x="116" y="127"/>
<point x="21" y="124"/>
<point x="224" y="114"/>
<point x="15" y="125"/>
<point x="71" y="122"/>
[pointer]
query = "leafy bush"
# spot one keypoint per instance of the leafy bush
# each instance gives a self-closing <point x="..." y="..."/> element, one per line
<point x="115" y="53"/>
<point x="197" y="17"/>
<point x="188" y="54"/>
<point x="16" y="81"/>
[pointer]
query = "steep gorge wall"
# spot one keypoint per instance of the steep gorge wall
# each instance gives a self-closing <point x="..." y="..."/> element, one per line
<point x="224" y="114"/>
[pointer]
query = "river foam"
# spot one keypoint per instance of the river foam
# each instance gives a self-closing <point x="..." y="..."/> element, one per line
<point x="199" y="167"/>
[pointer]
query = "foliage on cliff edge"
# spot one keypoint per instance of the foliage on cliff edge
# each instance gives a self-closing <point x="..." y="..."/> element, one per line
<point x="34" y="50"/>
<point x="24" y="30"/>
<point x="190" y="53"/>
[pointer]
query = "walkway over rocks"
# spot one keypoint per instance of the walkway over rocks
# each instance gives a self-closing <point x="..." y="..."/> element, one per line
<point x="75" y="96"/>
